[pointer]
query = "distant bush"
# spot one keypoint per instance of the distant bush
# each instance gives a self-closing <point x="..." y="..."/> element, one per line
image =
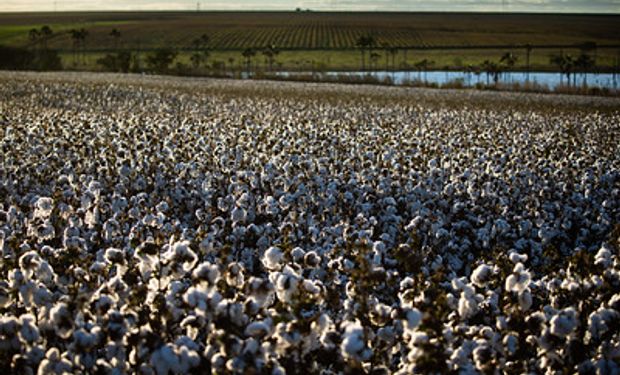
<point x="119" y="62"/>
<point x="12" y="58"/>
<point x="15" y="58"/>
<point x="160" y="60"/>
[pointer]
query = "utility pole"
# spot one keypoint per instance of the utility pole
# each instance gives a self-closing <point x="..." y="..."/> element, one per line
<point x="198" y="7"/>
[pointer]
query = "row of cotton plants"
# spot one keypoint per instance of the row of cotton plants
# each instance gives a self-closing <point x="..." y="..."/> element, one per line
<point x="154" y="230"/>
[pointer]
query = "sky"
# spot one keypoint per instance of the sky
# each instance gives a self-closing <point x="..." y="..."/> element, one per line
<point x="563" y="6"/>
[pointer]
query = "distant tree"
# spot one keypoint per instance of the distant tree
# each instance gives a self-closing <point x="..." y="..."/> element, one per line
<point x="528" y="51"/>
<point x="79" y="43"/>
<point x="584" y="62"/>
<point x="393" y="51"/>
<point x="565" y="64"/>
<point x="248" y="54"/>
<point x="492" y="70"/>
<point x="116" y="35"/>
<point x="33" y="36"/>
<point x="46" y="33"/>
<point x="270" y="53"/>
<point x="423" y="66"/>
<point x="120" y="62"/>
<point x="201" y="52"/>
<point x="365" y="43"/>
<point x="508" y="59"/>
<point x="374" y="59"/>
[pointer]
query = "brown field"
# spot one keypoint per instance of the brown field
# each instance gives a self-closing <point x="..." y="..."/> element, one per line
<point x="314" y="30"/>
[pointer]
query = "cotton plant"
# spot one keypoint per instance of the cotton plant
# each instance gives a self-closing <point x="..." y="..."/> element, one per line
<point x="316" y="231"/>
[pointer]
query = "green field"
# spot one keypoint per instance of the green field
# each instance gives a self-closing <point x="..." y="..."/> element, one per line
<point x="327" y="41"/>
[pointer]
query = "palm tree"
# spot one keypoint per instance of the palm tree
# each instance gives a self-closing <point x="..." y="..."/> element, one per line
<point x="83" y="33"/>
<point x="201" y="50"/>
<point x="46" y="33"/>
<point x="270" y="53"/>
<point x="509" y="59"/>
<point x="584" y="62"/>
<point x="248" y="54"/>
<point x="33" y="36"/>
<point x="374" y="59"/>
<point x="75" y="36"/>
<point x="117" y="36"/>
<point x="528" y="51"/>
<point x="423" y="65"/>
<point x="565" y="63"/>
<point x="491" y="69"/>
<point x="365" y="42"/>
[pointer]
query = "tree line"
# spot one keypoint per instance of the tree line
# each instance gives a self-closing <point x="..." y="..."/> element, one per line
<point x="38" y="56"/>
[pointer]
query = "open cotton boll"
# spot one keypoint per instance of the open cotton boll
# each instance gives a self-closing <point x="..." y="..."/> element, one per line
<point x="206" y="271"/>
<point x="413" y="318"/>
<point x="61" y="320"/>
<point x="43" y="208"/>
<point x="603" y="257"/>
<point x="481" y="275"/>
<point x="272" y="258"/>
<point x="517" y="258"/>
<point x="353" y="345"/>
<point x="29" y="332"/>
<point x="564" y="323"/>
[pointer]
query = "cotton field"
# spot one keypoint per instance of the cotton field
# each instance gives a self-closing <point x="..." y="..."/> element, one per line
<point x="168" y="225"/>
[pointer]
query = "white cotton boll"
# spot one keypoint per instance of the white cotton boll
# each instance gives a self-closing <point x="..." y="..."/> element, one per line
<point x="208" y="272"/>
<point x="525" y="299"/>
<point x="257" y="329"/>
<point x="511" y="343"/>
<point x="113" y="255"/>
<point x="45" y="273"/>
<point x="468" y="306"/>
<point x="43" y="208"/>
<point x="599" y="321"/>
<point x="564" y="323"/>
<point x="418" y="338"/>
<point x="481" y="275"/>
<point x="164" y="360"/>
<point x="311" y="287"/>
<point x="413" y="319"/>
<point x="61" y="320"/>
<point x="181" y="253"/>
<point x="517" y="258"/>
<point x="297" y="253"/>
<point x="238" y="215"/>
<point x="603" y="257"/>
<point x="29" y="332"/>
<point x="272" y="257"/>
<point x="518" y="280"/>
<point x="353" y="345"/>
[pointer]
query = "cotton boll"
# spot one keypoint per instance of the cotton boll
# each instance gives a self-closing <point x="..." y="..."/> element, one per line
<point x="481" y="275"/>
<point x="258" y="329"/>
<point x="525" y="299"/>
<point x="206" y="271"/>
<point x="564" y="323"/>
<point x="29" y="332"/>
<point x="353" y="345"/>
<point x="511" y="343"/>
<point x="603" y="257"/>
<point x="517" y="258"/>
<point x="413" y="319"/>
<point x="272" y="258"/>
<point x="61" y="320"/>
<point x="43" y="208"/>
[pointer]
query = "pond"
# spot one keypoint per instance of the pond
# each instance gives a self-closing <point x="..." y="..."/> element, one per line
<point x="549" y="79"/>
